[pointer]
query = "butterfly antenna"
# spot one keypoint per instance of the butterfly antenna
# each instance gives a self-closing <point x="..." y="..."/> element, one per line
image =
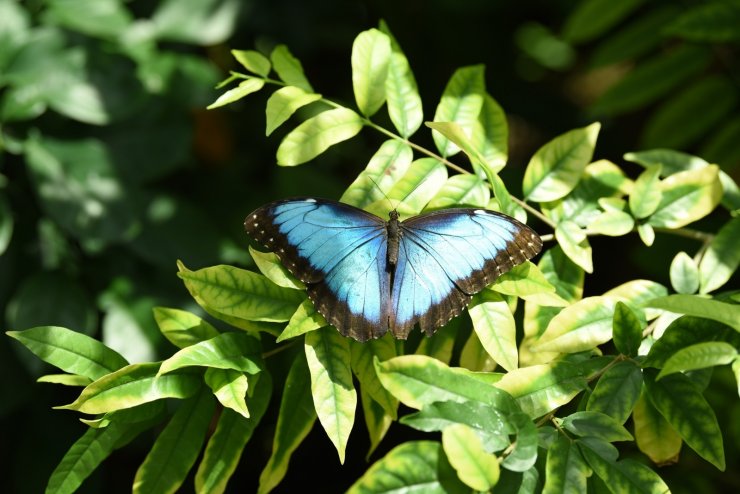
<point x="390" y="203"/>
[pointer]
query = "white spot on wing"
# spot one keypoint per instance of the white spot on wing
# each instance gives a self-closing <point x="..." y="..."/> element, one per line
<point x="310" y="200"/>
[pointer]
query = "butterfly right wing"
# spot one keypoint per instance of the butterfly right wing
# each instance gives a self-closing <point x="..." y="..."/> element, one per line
<point x="339" y="251"/>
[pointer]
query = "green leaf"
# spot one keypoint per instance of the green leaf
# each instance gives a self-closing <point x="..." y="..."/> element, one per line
<point x="461" y="103"/>
<point x="524" y="454"/>
<point x="680" y="402"/>
<point x="654" y="436"/>
<point x="652" y="79"/>
<point x="418" y="380"/>
<point x="206" y="23"/>
<point x="575" y="244"/>
<point x="721" y="258"/>
<point x="183" y="328"/>
<point x="556" y="167"/>
<point x="295" y="420"/>
<point x="269" y="264"/>
<point x="229" y="387"/>
<point x="617" y="391"/>
<point x="701" y="307"/>
<point x="491" y="426"/>
<point x="283" y="103"/>
<point x="684" y="274"/>
<point x="713" y="22"/>
<point x="371" y="52"/>
<point x="690" y="107"/>
<point x="334" y="395"/>
<point x="414" y="463"/>
<point x="627" y="330"/>
<point x="253" y="61"/>
<point x="363" y="355"/>
<point x="646" y="194"/>
<point x="289" y="68"/>
<point x="232" y="433"/>
<point x="441" y="344"/>
<point x="240" y="293"/>
<point x="612" y="223"/>
<point x="458" y="137"/>
<point x="6" y="225"/>
<point x="637" y="294"/>
<point x="245" y="88"/>
<point x="105" y="19"/>
<point x="474" y="357"/>
<point x="687" y="197"/>
<point x="736" y="371"/>
<point x="416" y="188"/>
<point x="699" y="356"/>
<point x="166" y="466"/>
<point x="377" y="421"/>
<point x="87" y="453"/>
<point x="65" y="379"/>
<point x="647" y="234"/>
<point x="306" y="318"/>
<point x="528" y="282"/>
<point x="460" y="190"/>
<point x="477" y="468"/>
<point x="317" y="134"/>
<point x="404" y="103"/>
<point x="566" y="470"/>
<point x="490" y="135"/>
<point x="596" y="424"/>
<point x="494" y="324"/>
<point x="579" y="327"/>
<point x="387" y="166"/>
<point x="235" y="351"/>
<point x="539" y="389"/>
<point x="133" y="385"/>
<point x="70" y="351"/>
<point x="626" y="476"/>
<point x="593" y="18"/>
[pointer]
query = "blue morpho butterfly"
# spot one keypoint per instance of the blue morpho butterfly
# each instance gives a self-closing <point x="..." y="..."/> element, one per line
<point x="366" y="275"/>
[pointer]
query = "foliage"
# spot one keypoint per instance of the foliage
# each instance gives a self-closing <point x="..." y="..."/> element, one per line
<point x="572" y="374"/>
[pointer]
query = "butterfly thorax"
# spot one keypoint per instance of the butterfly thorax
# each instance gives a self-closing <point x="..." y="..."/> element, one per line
<point x="394" y="234"/>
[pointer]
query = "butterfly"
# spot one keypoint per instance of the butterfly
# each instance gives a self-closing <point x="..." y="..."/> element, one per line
<point x="367" y="276"/>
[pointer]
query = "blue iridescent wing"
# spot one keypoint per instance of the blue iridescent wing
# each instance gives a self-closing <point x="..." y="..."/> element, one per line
<point x="447" y="256"/>
<point x="339" y="251"/>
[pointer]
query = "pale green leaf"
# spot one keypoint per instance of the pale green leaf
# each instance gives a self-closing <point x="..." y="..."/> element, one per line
<point x="477" y="468"/>
<point x="334" y="395"/>
<point x="230" y="388"/>
<point x="133" y="385"/>
<point x="654" y="435"/>
<point x="494" y="324"/>
<point x="461" y="190"/>
<point x="539" y="389"/>
<point x="236" y="351"/>
<point x="176" y="449"/>
<point x="253" y="61"/>
<point x="414" y="190"/>
<point x="701" y="307"/>
<point x="70" y="351"/>
<point x="295" y="420"/>
<point x="306" y="318"/>
<point x="699" y="356"/>
<point x="415" y="463"/>
<point x="684" y="274"/>
<point x="387" y="166"/>
<point x="245" y="88"/>
<point x="474" y="357"/>
<point x="289" y="68"/>
<point x="556" y="167"/>
<point x="461" y="103"/>
<point x="371" y="52"/>
<point x="441" y="344"/>
<point x="612" y="223"/>
<point x="224" y="448"/>
<point x="269" y="265"/>
<point x="575" y="244"/>
<point x="646" y="194"/>
<point x="65" y="379"/>
<point x="377" y="421"/>
<point x="363" y="355"/>
<point x="579" y="327"/>
<point x="317" y="134"/>
<point x="687" y="196"/>
<point x="283" y="103"/>
<point x="528" y="282"/>
<point x="637" y="294"/>
<point x="647" y="234"/>
<point x="182" y="328"/>
<point x="240" y="293"/>
<point x="490" y="135"/>
<point x="681" y="403"/>
<point x="721" y="258"/>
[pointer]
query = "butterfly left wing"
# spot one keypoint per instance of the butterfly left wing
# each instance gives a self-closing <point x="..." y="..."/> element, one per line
<point x="339" y="251"/>
<point x="447" y="256"/>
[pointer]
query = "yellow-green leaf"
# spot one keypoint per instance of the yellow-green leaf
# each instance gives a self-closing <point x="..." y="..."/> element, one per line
<point x="575" y="244"/>
<point x="494" y="324"/>
<point x="721" y="258"/>
<point x="289" y="68"/>
<point x="654" y="435"/>
<point x="581" y="326"/>
<point x="183" y="328"/>
<point x="684" y="274"/>
<point x="245" y="88"/>
<point x="699" y="356"/>
<point x="306" y="318"/>
<point x="687" y="196"/>
<point x="229" y="387"/>
<point x="269" y="265"/>
<point x="461" y="103"/>
<point x="477" y="468"/>
<point x="371" y="52"/>
<point x="283" y="103"/>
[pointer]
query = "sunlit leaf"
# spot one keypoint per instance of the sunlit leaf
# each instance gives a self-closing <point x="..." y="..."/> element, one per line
<point x="229" y="387"/>
<point x="283" y="103"/>
<point x="566" y="469"/>
<point x="617" y="391"/>
<point x="235" y="351"/>
<point x="654" y="436"/>
<point x="389" y="163"/>
<point x="269" y="265"/>
<point x="253" y="61"/>
<point x="461" y="103"/>
<point x="363" y="355"/>
<point x="460" y="190"/>
<point x="477" y="468"/>
<point x="721" y="258"/>
<point x="702" y="307"/>
<point x="245" y="88"/>
<point x="686" y="197"/>
<point x="490" y="135"/>
<point x="182" y="328"/>
<point x="416" y="188"/>
<point x="612" y="223"/>
<point x="646" y="195"/>
<point x="575" y="244"/>
<point x="596" y="424"/>
<point x="317" y="134"/>
<point x="579" y="327"/>
<point x="684" y="274"/>
<point x="699" y="356"/>
<point x="289" y="68"/>
<point x="494" y="324"/>
<point x="306" y="318"/>
<point x="371" y="52"/>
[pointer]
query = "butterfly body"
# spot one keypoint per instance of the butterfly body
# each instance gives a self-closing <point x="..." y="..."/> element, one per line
<point x="367" y="276"/>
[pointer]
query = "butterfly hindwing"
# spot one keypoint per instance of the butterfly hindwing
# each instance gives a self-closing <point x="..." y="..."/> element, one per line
<point x="447" y="256"/>
<point x="339" y="251"/>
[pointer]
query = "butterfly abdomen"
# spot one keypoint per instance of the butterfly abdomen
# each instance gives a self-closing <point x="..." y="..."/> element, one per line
<point x="394" y="234"/>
